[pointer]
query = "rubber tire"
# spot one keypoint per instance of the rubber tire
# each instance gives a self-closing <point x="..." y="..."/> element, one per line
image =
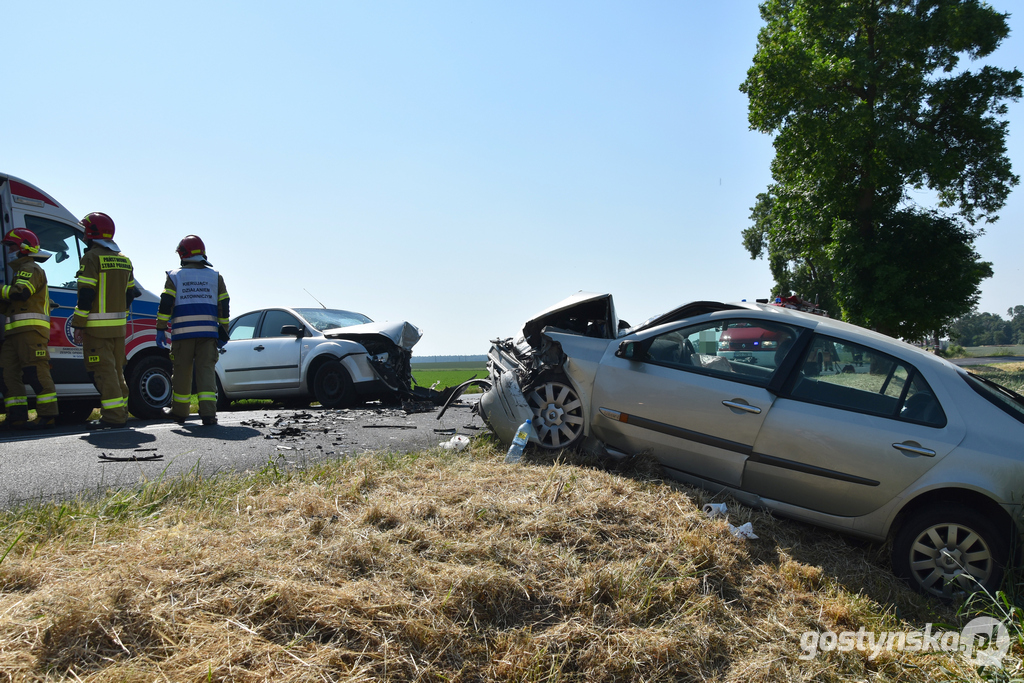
<point x="332" y="386"/>
<point x="990" y="537"/>
<point x="575" y="413"/>
<point x="149" y="387"/>
<point x="75" y="411"/>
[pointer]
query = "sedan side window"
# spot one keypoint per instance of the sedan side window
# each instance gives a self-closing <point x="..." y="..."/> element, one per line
<point x="845" y="375"/>
<point x="743" y="350"/>
<point x="274" y="321"/>
<point x="245" y="326"/>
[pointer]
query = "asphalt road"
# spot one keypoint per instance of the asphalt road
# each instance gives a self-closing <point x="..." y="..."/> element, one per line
<point x="65" y="462"/>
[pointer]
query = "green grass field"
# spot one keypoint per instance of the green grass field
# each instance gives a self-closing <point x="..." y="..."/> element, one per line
<point x="447" y="376"/>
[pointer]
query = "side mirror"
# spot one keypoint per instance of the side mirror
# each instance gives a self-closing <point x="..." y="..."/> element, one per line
<point x="630" y="350"/>
<point x="294" y="331"/>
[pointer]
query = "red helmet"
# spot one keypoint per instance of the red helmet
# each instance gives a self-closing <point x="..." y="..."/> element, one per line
<point x="24" y="239"/>
<point x="191" y="245"/>
<point x="98" y="226"/>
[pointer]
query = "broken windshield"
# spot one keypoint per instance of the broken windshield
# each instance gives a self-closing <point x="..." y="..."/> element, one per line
<point x="331" y="319"/>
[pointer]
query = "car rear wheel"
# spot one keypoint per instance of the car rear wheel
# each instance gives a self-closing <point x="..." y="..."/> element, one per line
<point x="149" y="387"/>
<point x="332" y="387"/>
<point x="557" y="414"/>
<point x="949" y="550"/>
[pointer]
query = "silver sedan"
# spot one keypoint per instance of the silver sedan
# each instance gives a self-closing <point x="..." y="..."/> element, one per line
<point x="814" y="419"/>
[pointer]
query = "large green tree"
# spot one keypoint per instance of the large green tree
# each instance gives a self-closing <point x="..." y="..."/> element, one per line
<point x="871" y="109"/>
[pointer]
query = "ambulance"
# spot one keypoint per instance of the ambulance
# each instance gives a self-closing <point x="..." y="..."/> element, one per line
<point x="148" y="372"/>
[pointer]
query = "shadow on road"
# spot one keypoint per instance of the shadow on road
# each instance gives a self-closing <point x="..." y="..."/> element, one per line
<point x="118" y="438"/>
<point x="219" y="432"/>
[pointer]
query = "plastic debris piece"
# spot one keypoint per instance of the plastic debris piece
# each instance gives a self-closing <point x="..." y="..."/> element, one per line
<point x="456" y="443"/>
<point x="714" y="510"/>
<point x="745" y="531"/>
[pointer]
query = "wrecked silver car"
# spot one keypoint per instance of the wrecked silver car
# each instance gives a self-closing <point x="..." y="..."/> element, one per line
<point x="334" y="357"/>
<point x="810" y="417"/>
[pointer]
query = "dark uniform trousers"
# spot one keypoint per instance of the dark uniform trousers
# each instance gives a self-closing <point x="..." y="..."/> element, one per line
<point x="105" y="360"/>
<point x="26" y="359"/>
<point x="201" y="354"/>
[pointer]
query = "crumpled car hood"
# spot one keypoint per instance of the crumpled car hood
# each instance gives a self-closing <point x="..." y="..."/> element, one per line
<point x="403" y="334"/>
<point x="585" y="313"/>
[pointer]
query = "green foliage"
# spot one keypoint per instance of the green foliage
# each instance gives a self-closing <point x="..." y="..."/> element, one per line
<point x="868" y="100"/>
<point x="989" y="329"/>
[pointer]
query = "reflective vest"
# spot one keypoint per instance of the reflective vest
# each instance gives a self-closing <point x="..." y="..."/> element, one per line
<point x="32" y="313"/>
<point x="195" y="302"/>
<point x="110" y="274"/>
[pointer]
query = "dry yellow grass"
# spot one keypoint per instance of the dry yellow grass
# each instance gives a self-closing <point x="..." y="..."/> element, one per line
<point x="437" y="567"/>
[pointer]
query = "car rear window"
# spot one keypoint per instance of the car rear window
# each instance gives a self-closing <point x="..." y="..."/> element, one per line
<point x="1008" y="401"/>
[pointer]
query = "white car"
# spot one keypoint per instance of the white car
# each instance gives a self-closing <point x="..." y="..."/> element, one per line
<point x="331" y="356"/>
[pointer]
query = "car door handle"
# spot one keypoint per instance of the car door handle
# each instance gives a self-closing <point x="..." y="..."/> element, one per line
<point x="746" y="407"/>
<point x="258" y="348"/>
<point x="916" y="449"/>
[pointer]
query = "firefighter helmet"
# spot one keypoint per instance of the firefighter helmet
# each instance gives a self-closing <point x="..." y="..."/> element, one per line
<point x="98" y="226"/>
<point x="24" y="239"/>
<point x="191" y="245"/>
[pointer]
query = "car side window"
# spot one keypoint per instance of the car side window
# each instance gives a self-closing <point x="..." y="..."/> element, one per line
<point x="738" y="349"/>
<point x="245" y="326"/>
<point x="274" y="321"/>
<point x="845" y="375"/>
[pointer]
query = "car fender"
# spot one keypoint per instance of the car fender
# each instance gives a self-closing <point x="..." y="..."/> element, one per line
<point x="351" y="354"/>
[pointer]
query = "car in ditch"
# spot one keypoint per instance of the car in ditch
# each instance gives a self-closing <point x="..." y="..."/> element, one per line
<point x="834" y="424"/>
<point x="299" y="355"/>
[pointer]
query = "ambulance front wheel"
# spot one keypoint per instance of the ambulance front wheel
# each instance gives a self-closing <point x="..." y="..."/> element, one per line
<point x="149" y="387"/>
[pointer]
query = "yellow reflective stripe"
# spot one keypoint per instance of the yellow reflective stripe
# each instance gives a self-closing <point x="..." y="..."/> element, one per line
<point x="222" y="296"/>
<point x="207" y="396"/>
<point x="90" y="281"/>
<point x="27" y="324"/>
<point x="163" y="316"/>
<point x="178" y="398"/>
<point x="113" y="403"/>
<point x="80" y="313"/>
<point x="5" y="292"/>
<point x="16" y="401"/>
<point x="115" y="315"/>
<point x="105" y="323"/>
<point x="102" y="307"/>
<point x="223" y="321"/>
<point x="171" y="292"/>
<point x="46" y="398"/>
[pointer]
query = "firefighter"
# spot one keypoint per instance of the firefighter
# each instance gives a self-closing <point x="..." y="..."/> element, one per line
<point x="106" y="288"/>
<point x="195" y="303"/>
<point x="24" y="356"/>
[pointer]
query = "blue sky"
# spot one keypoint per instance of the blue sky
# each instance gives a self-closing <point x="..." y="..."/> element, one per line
<point x="461" y="165"/>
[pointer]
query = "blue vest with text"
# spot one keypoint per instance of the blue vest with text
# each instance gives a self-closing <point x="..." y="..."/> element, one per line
<point x="195" y="302"/>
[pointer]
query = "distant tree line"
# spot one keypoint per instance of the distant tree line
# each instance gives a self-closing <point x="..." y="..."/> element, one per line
<point x="986" y="329"/>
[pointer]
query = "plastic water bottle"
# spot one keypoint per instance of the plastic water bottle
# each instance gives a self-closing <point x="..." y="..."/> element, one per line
<point x="515" y="451"/>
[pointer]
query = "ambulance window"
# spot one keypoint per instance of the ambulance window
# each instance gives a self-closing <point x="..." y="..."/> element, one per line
<point x="245" y="326"/>
<point x="61" y="240"/>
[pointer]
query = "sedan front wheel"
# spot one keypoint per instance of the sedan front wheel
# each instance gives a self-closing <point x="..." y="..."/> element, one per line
<point x="332" y="387"/>
<point x="949" y="550"/>
<point x="557" y="414"/>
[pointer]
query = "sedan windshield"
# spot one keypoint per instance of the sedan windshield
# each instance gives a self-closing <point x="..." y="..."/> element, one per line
<point x="330" y="319"/>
